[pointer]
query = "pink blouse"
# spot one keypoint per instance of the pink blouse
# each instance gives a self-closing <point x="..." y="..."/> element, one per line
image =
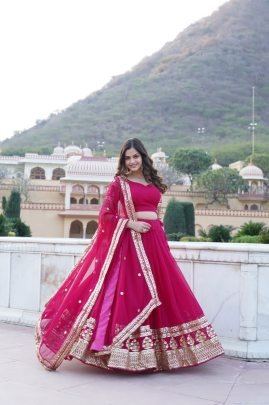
<point x="145" y="197"/>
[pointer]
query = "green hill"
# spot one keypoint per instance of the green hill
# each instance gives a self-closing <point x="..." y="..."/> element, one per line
<point x="203" y="78"/>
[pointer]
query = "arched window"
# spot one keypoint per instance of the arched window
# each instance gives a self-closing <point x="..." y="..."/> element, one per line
<point x="93" y="190"/>
<point x="77" y="189"/>
<point x="254" y="207"/>
<point x="246" y="207"/>
<point x="37" y="173"/>
<point x="73" y="200"/>
<point x="94" y="201"/>
<point x="91" y="228"/>
<point x="76" y="230"/>
<point x="58" y="173"/>
<point x="81" y="201"/>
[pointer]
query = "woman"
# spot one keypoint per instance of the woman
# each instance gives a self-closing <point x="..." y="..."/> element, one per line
<point x="126" y="304"/>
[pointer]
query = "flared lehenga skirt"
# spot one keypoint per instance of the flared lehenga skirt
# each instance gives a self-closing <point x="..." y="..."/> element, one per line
<point x="123" y="330"/>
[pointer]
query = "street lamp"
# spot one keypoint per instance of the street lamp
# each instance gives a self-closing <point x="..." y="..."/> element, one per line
<point x="253" y="124"/>
<point x="100" y="145"/>
<point x="200" y="131"/>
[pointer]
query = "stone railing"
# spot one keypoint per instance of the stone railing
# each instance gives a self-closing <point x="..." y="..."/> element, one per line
<point x="229" y="280"/>
<point x="85" y="207"/>
<point x="43" y="206"/>
<point x="232" y="213"/>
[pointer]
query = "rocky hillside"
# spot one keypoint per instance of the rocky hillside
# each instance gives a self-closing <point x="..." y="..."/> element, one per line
<point x="203" y="78"/>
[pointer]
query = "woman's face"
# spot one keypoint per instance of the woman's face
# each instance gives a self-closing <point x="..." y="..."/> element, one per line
<point x="133" y="160"/>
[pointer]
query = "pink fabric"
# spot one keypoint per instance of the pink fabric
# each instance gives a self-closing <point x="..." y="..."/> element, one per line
<point x="101" y="328"/>
<point x="145" y="198"/>
<point x="124" y="291"/>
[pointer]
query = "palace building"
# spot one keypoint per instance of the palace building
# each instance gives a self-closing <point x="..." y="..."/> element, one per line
<point x="62" y="192"/>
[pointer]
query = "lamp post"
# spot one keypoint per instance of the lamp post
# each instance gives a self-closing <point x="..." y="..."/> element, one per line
<point x="253" y="124"/>
<point x="100" y="145"/>
<point x="200" y="131"/>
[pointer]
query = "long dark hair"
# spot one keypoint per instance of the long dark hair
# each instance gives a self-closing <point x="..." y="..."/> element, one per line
<point x="149" y="172"/>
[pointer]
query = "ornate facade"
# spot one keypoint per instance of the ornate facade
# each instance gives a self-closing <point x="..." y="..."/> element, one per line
<point x="62" y="192"/>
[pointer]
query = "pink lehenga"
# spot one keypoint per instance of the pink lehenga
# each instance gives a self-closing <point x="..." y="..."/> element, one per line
<point x="126" y="305"/>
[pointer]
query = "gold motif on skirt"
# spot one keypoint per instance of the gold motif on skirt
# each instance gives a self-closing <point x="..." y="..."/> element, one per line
<point x="133" y="345"/>
<point x="190" y="340"/>
<point x="210" y="331"/>
<point x="173" y="343"/>
<point x="87" y="330"/>
<point x="200" y="336"/>
<point x="183" y="342"/>
<point x="147" y="343"/>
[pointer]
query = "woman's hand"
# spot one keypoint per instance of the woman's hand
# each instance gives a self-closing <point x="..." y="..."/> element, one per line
<point x="139" y="226"/>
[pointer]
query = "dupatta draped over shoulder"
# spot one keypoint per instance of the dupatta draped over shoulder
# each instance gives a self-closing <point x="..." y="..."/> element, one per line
<point x="123" y="306"/>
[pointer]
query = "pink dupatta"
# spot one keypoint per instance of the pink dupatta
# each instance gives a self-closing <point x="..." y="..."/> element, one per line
<point x="68" y="324"/>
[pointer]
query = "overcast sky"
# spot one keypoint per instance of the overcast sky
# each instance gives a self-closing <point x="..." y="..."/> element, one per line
<point x="55" y="52"/>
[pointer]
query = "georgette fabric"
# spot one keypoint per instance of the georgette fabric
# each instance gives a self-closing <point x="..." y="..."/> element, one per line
<point x="126" y="304"/>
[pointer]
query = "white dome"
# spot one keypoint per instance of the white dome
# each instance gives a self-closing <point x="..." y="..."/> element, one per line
<point x="72" y="150"/>
<point x="159" y="155"/>
<point x="87" y="152"/>
<point x="215" y="165"/>
<point x="59" y="150"/>
<point x="251" y="172"/>
<point x="85" y="167"/>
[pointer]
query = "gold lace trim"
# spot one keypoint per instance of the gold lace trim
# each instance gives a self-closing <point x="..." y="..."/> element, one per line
<point x="82" y="318"/>
<point x="184" y="345"/>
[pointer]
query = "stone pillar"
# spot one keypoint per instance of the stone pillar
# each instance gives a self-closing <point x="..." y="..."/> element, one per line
<point x="248" y="301"/>
<point x="68" y="189"/>
<point x="101" y="193"/>
<point x="84" y="225"/>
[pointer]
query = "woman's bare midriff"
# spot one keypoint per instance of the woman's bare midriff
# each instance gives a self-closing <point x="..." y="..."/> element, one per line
<point x="146" y="215"/>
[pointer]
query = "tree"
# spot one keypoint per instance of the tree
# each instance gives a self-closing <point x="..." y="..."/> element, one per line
<point x="174" y="219"/>
<point x="2" y="225"/>
<point x="189" y="217"/>
<point x="13" y="205"/>
<point x="218" y="184"/>
<point x="261" y="160"/>
<point x="4" y="204"/>
<point x="22" y="185"/>
<point x="191" y="161"/>
<point x="170" y="176"/>
<point x="3" y="173"/>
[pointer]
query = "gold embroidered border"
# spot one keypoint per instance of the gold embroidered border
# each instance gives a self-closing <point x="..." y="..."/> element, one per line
<point x="78" y="325"/>
<point x="158" y="360"/>
<point x="137" y="239"/>
<point x="146" y="269"/>
<point x="172" y="331"/>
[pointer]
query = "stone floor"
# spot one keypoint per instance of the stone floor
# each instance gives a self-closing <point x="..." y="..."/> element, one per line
<point x="220" y="381"/>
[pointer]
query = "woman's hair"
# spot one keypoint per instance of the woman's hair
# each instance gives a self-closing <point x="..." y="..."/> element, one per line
<point x="149" y="172"/>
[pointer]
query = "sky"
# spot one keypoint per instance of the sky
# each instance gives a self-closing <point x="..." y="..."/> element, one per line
<point x="56" y="52"/>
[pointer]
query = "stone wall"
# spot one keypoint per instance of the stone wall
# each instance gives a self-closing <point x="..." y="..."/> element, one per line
<point x="229" y="280"/>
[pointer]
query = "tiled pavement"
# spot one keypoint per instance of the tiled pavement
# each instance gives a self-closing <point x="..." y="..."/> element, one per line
<point x="220" y="381"/>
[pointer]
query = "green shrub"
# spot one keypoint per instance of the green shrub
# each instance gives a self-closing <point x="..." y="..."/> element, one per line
<point x="264" y="236"/>
<point x="251" y="228"/>
<point x="194" y="239"/>
<point x="175" y="236"/>
<point x="174" y="218"/>
<point x="203" y="233"/>
<point x="2" y="225"/>
<point x="220" y="233"/>
<point x="189" y="217"/>
<point x="20" y="228"/>
<point x="12" y="206"/>
<point x="246" y="239"/>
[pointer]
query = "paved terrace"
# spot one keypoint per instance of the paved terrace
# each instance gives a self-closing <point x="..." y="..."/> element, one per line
<point x="220" y="381"/>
